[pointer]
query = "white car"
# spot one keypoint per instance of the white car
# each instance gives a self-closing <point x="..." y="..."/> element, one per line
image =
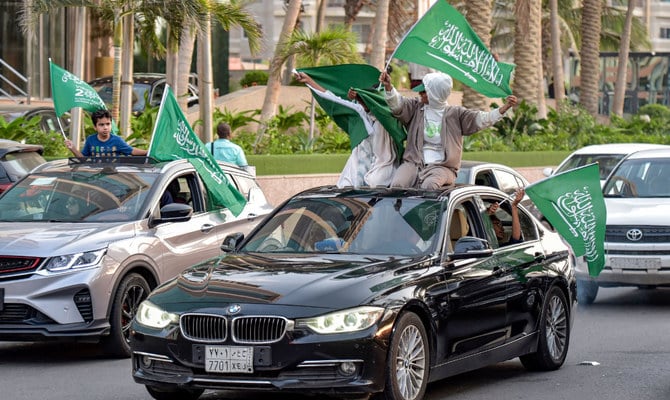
<point x="606" y="155"/>
<point x="637" y="238"/>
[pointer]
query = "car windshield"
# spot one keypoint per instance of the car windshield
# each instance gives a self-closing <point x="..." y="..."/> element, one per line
<point x="77" y="196"/>
<point x="640" y="178"/>
<point x="606" y="162"/>
<point x="356" y="225"/>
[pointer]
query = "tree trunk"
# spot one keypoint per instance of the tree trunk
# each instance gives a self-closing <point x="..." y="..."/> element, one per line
<point x="558" y="80"/>
<point x="186" y="46"/>
<point x="526" y="33"/>
<point x="321" y="15"/>
<point x="126" y="104"/>
<point x="620" y="86"/>
<point x="116" y="78"/>
<point x="378" y="54"/>
<point x="274" y="79"/>
<point x="478" y="14"/>
<point x="590" y="55"/>
<point x="205" y="82"/>
<point x="172" y="63"/>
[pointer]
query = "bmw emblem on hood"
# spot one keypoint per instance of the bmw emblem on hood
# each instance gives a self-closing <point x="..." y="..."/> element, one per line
<point x="634" y="234"/>
<point x="234" y="309"/>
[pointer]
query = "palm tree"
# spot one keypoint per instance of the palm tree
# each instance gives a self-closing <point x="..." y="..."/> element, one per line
<point x="274" y="74"/>
<point x="556" y="53"/>
<point x="175" y="12"/>
<point x="378" y="54"/>
<point x="478" y="14"/>
<point x="620" y="86"/>
<point x="526" y="41"/>
<point x="590" y="55"/>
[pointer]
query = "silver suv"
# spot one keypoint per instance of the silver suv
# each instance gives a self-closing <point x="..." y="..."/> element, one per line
<point x="83" y="243"/>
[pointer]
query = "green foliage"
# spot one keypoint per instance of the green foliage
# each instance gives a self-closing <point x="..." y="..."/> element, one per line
<point x="253" y="78"/>
<point x="53" y="143"/>
<point x="19" y="128"/>
<point x="236" y="120"/>
<point x="286" y="119"/>
<point x="333" y="140"/>
<point x="142" y="127"/>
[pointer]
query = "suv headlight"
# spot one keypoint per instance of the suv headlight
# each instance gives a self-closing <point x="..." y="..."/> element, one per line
<point x="75" y="261"/>
<point x="149" y="314"/>
<point x="352" y="320"/>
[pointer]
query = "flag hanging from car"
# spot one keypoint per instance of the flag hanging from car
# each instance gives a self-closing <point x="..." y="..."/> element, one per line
<point x="573" y="203"/>
<point x="174" y="139"/>
<point x="444" y="40"/>
<point x="363" y="78"/>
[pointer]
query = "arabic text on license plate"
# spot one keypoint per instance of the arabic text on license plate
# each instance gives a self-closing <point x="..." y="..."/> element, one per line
<point x="636" y="263"/>
<point x="229" y="359"/>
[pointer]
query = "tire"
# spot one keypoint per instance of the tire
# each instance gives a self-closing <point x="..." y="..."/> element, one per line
<point x="132" y="290"/>
<point x="586" y="291"/>
<point x="174" y="393"/>
<point x="408" y="360"/>
<point x="554" y="330"/>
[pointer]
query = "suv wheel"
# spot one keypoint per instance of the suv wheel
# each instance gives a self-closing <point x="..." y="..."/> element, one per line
<point x="586" y="291"/>
<point x="130" y="293"/>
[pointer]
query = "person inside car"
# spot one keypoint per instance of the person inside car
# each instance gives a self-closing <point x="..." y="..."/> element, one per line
<point x="498" y="227"/>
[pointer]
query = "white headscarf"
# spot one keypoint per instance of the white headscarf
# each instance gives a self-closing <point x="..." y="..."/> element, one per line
<point x="438" y="87"/>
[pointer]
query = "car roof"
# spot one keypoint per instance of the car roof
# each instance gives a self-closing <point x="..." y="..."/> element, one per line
<point x="650" y="153"/>
<point x="11" y="146"/>
<point x="393" y="192"/>
<point x="142" y="77"/>
<point x="617" y="148"/>
<point x="471" y="163"/>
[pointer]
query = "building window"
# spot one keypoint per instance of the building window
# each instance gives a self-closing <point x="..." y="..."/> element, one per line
<point x="665" y="33"/>
<point x="363" y="32"/>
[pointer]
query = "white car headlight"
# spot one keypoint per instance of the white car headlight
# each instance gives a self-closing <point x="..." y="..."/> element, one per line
<point x="352" y="320"/>
<point x="75" y="261"/>
<point x="149" y="314"/>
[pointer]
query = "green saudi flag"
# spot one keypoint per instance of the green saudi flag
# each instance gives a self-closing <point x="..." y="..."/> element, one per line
<point x="442" y="39"/>
<point x="573" y="203"/>
<point x="68" y="91"/>
<point x="174" y="139"/>
<point x="363" y="79"/>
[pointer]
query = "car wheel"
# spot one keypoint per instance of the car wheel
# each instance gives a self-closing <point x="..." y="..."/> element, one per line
<point x="408" y="360"/>
<point x="586" y="291"/>
<point x="130" y="293"/>
<point x="554" y="333"/>
<point x="174" y="393"/>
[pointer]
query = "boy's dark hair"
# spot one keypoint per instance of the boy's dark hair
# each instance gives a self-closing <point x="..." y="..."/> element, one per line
<point x="97" y="115"/>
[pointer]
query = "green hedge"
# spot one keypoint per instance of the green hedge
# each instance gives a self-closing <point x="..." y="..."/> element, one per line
<point x="293" y="164"/>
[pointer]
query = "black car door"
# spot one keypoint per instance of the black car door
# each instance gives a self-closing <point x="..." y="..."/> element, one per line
<point x="521" y="264"/>
<point x="476" y="313"/>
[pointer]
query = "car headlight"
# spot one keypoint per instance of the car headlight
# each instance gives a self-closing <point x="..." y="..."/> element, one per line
<point x="352" y="320"/>
<point x="75" y="261"/>
<point x="149" y="314"/>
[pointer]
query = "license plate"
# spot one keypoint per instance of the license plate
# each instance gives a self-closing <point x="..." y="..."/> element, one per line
<point x="229" y="359"/>
<point x="636" y="263"/>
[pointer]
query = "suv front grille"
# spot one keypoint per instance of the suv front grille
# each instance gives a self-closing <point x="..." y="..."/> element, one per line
<point x="13" y="313"/>
<point x="248" y="330"/>
<point x="11" y="265"/>
<point x="650" y="234"/>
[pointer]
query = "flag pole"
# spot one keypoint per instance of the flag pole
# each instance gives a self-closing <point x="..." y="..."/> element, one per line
<point x="158" y="117"/>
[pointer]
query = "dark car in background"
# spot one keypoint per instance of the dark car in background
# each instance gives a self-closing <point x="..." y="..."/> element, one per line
<point x="48" y="121"/>
<point x="352" y="292"/>
<point x="16" y="160"/>
<point x="146" y="87"/>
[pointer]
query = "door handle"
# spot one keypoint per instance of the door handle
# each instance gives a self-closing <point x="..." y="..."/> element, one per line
<point x="206" y="228"/>
<point x="498" y="271"/>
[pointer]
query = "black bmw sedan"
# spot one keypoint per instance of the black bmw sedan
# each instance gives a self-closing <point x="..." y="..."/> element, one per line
<point x="361" y="293"/>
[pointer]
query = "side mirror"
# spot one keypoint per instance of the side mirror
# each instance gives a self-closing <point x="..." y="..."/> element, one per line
<point x="471" y="247"/>
<point x="173" y="212"/>
<point x="548" y="171"/>
<point x="231" y="241"/>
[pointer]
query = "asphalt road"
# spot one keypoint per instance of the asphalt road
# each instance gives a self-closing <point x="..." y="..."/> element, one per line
<point x="620" y="348"/>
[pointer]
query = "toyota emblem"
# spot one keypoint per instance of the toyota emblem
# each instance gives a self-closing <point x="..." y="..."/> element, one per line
<point x="234" y="309"/>
<point x="634" y="234"/>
